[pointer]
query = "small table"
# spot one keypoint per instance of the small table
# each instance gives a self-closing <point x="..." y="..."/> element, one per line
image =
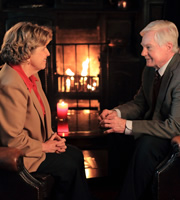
<point x="80" y="123"/>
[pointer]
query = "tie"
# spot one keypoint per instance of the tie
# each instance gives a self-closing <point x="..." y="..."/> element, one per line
<point x="156" y="86"/>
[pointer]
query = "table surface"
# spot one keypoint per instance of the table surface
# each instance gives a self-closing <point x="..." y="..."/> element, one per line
<point x="81" y="123"/>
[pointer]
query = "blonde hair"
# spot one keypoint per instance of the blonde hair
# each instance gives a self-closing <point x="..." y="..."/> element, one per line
<point x="165" y="31"/>
<point x="21" y="39"/>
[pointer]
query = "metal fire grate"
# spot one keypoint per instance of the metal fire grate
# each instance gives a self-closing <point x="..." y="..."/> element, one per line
<point x="78" y="83"/>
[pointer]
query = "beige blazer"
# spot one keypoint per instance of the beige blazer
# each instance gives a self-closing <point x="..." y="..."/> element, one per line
<point x="22" y="124"/>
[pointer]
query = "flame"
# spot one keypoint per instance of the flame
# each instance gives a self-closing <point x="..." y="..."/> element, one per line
<point x="70" y="81"/>
<point x="86" y="111"/>
<point x="85" y="66"/>
<point x="90" y="87"/>
<point x="122" y="4"/>
<point x="68" y="84"/>
<point x="94" y="84"/>
<point x="69" y="72"/>
<point x="62" y="102"/>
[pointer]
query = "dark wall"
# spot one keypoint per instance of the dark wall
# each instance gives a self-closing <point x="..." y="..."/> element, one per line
<point x="172" y="12"/>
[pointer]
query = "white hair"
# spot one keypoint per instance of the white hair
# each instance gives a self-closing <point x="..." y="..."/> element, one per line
<point x="165" y="31"/>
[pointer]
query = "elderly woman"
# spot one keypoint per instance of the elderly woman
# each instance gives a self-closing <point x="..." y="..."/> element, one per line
<point x="25" y="114"/>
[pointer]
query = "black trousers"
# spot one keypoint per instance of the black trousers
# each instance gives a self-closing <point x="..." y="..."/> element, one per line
<point x="149" y="151"/>
<point x="69" y="173"/>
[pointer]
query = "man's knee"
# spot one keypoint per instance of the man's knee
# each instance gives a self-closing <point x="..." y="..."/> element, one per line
<point x="151" y="149"/>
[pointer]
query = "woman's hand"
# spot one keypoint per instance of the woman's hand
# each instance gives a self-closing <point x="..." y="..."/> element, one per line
<point x="55" y="144"/>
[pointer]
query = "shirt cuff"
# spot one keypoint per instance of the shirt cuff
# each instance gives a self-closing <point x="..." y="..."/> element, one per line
<point x="128" y="129"/>
<point x="118" y="112"/>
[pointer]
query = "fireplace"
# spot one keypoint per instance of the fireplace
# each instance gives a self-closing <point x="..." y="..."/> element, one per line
<point x="78" y="74"/>
<point x="78" y="56"/>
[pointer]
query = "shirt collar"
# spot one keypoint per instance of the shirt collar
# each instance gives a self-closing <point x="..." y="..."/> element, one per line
<point x="28" y="81"/>
<point x="163" y="68"/>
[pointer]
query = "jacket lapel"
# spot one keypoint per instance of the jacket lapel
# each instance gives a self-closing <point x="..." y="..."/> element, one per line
<point x="39" y="110"/>
<point x="165" y="83"/>
<point x="37" y="105"/>
<point x="163" y="88"/>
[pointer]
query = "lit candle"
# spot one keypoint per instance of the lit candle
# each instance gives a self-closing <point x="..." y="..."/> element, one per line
<point x="62" y="128"/>
<point x="124" y="4"/>
<point x="62" y="109"/>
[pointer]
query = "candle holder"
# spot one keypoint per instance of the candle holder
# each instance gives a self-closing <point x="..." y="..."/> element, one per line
<point x="63" y="128"/>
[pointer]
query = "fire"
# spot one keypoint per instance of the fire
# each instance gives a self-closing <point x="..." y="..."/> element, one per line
<point x="68" y="85"/>
<point x="69" y="72"/>
<point x="90" y="87"/>
<point x="73" y="83"/>
<point x="85" y="66"/>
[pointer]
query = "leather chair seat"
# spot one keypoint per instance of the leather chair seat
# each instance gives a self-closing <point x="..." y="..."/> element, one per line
<point x="16" y="183"/>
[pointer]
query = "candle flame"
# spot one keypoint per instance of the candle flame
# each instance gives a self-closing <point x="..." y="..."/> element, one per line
<point x="62" y="102"/>
<point x="124" y="4"/>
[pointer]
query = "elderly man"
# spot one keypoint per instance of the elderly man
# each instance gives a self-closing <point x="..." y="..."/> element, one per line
<point x="153" y="116"/>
